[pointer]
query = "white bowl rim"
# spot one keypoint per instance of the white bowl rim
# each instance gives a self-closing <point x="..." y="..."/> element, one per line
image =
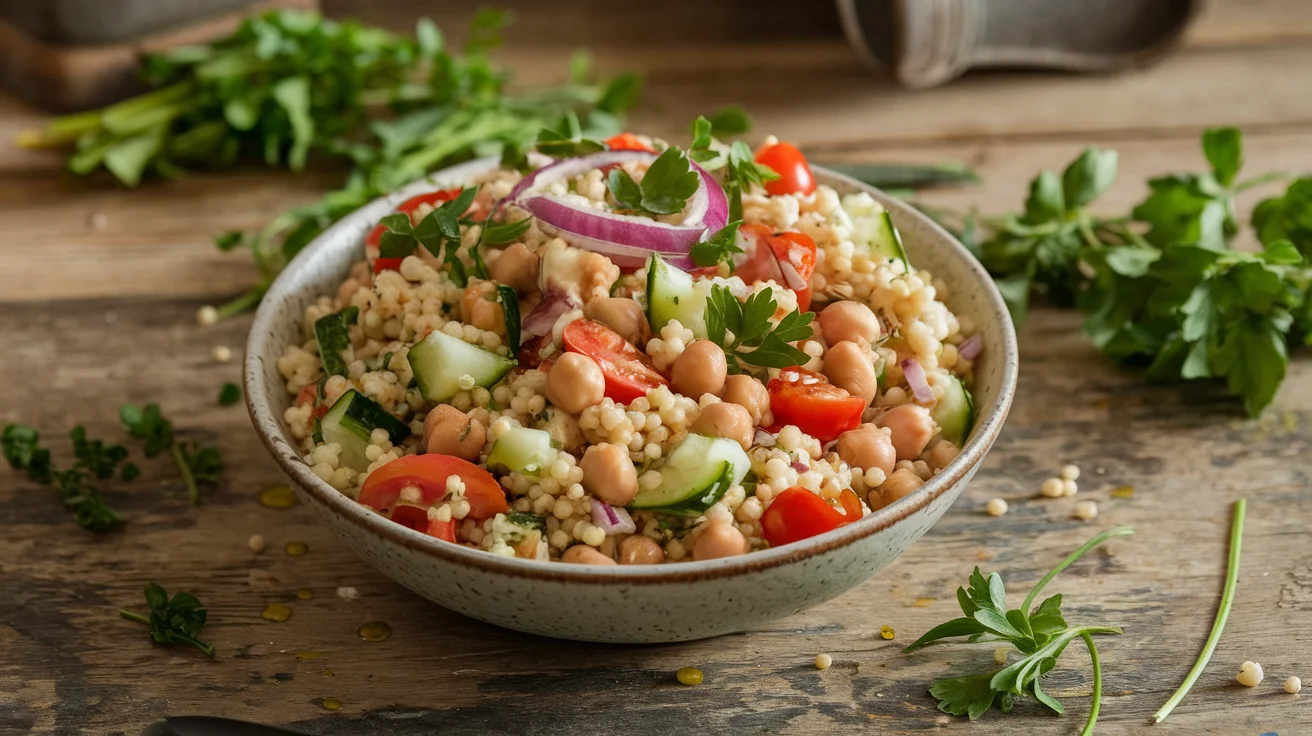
<point x="266" y="420"/>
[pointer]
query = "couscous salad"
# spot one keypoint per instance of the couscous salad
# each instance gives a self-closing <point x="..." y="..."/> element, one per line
<point x="628" y="352"/>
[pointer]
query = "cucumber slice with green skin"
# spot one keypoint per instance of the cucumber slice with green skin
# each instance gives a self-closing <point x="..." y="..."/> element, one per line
<point x="352" y="420"/>
<point x="955" y="412"/>
<point x="876" y="232"/>
<point x="440" y="361"/>
<point x="522" y="450"/>
<point x="674" y="294"/>
<point x="695" y="476"/>
<point x="332" y="332"/>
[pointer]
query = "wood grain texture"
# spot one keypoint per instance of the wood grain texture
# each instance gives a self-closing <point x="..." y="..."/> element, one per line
<point x="98" y="288"/>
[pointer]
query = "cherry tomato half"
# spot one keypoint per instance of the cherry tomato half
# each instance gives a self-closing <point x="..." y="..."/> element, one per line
<point x="628" y="372"/>
<point x="809" y="402"/>
<point x="797" y="514"/>
<point x="627" y="142"/>
<point x="794" y="172"/>
<point x="787" y="258"/>
<point x="416" y="517"/>
<point x="428" y="473"/>
<point x="408" y="207"/>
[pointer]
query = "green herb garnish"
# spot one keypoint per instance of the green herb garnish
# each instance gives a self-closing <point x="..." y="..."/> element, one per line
<point x="510" y="309"/>
<point x="1222" y="613"/>
<point x="23" y="451"/>
<point x="719" y="248"/>
<point x="172" y="621"/>
<point x="731" y="120"/>
<point x="505" y="233"/>
<point x="664" y="189"/>
<point x="229" y="394"/>
<point x="1039" y="633"/>
<point x="741" y="170"/>
<point x="748" y="336"/>
<point x="196" y="463"/>
<point x="332" y="333"/>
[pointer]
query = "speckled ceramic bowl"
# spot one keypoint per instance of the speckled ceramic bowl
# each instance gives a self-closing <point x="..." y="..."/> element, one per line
<point x="659" y="603"/>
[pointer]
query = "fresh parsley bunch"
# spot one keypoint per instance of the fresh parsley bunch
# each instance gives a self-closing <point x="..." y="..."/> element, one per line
<point x="1162" y="287"/>
<point x="741" y="171"/>
<point x="749" y="338"/>
<point x="1040" y="633"/>
<point x="196" y="463"/>
<point x="23" y="450"/>
<point x="178" y="620"/>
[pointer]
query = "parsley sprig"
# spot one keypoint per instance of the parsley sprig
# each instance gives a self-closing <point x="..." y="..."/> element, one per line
<point x="23" y="450"/>
<point x="745" y="331"/>
<point x="1162" y="287"/>
<point x="741" y="171"/>
<point x="196" y="463"/>
<point x="721" y="247"/>
<point x="664" y="189"/>
<point x="1040" y="633"/>
<point x="176" y="620"/>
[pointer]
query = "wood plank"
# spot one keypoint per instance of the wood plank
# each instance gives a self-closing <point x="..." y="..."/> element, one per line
<point x="157" y="240"/>
<point x="71" y="666"/>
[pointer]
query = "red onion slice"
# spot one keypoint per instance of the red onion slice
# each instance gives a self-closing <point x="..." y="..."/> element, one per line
<point x="916" y="379"/>
<point x="544" y="315"/>
<point x="764" y="438"/>
<point x="612" y="520"/>
<point x="970" y="349"/>
<point x="800" y="466"/>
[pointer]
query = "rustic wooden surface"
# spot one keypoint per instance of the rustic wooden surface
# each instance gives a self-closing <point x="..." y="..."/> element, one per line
<point x="98" y="288"/>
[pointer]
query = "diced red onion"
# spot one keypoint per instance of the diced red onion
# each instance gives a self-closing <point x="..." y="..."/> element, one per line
<point x="800" y="466"/>
<point x="544" y="315"/>
<point x="764" y="439"/>
<point x="612" y="520"/>
<point x="828" y="446"/>
<point x="627" y="240"/>
<point x="916" y="379"/>
<point x="970" y="349"/>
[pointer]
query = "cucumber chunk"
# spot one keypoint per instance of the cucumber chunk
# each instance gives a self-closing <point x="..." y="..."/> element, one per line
<point x="440" y="361"/>
<point x="695" y="476"/>
<point x="332" y="332"/>
<point x="674" y="294"/>
<point x="873" y="229"/>
<point x="522" y="450"/>
<point x="955" y="412"/>
<point x="352" y="420"/>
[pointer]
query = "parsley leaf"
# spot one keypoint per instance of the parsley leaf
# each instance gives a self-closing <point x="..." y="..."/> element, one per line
<point x="562" y="145"/>
<point x="719" y="248"/>
<point x="23" y="451"/>
<point x="731" y="120"/>
<point x="196" y="464"/>
<point x="742" y="172"/>
<point x="176" y="620"/>
<point x="1039" y="633"/>
<point x="744" y="330"/>
<point x="664" y="189"/>
<point x="229" y="394"/>
<point x="99" y="459"/>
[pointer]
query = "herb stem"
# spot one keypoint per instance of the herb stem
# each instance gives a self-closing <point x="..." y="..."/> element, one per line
<point x="1096" y="699"/>
<point x="242" y="303"/>
<point x="1222" y="613"/>
<point x="185" y="471"/>
<point x="130" y="616"/>
<point x="1266" y="178"/>
<point x="1116" y="531"/>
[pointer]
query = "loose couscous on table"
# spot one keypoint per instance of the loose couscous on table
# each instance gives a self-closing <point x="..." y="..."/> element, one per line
<point x="628" y="352"/>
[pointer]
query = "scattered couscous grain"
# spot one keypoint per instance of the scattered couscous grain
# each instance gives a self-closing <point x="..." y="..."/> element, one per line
<point x="886" y="631"/>
<point x="689" y="676"/>
<point x="1070" y="472"/>
<point x="996" y="507"/>
<point x="1086" y="510"/>
<point x="822" y="661"/>
<point x="1052" y="488"/>
<point x="1000" y="654"/>
<point x="256" y="543"/>
<point x="1293" y="685"/>
<point x="221" y="353"/>
<point x="207" y="315"/>
<point x="1250" y="674"/>
<point x="348" y="593"/>
<point x="1069" y="488"/>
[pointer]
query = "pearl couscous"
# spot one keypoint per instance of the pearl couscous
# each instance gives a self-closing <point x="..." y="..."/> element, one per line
<point x="589" y="364"/>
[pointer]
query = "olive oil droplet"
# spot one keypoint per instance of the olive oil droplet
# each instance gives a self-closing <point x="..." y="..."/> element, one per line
<point x="1123" y="492"/>
<point x="277" y="612"/>
<point x="278" y="497"/>
<point x="886" y="631"/>
<point x="304" y="594"/>
<point x="308" y="655"/>
<point x="328" y="673"/>
<point x="332" y="704"/>
<point x="296" y="549"/>
<point x="374" y="631"/>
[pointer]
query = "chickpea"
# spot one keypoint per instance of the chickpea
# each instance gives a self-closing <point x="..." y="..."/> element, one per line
<point x="582" y="554"/>
<point x="640" y="550"/>
<point x="898" y="485"/>
<point x="516" y="267"/>
<point x="575" y="382"/>
<point x="701" y="369"/>
<point x="850" y="367"/>
<point x="449" y="431"/>
<point x="849" y="321"/>
<point x="942" y="453"/>
<point x="748" y="393"/>
<point x="625" y="316"/>
<point x="726" y="420"/>
<point x="912" y="429"/>
<point x="480" y="308"/>
<point x="868" y="447"/>
<point x="608" y="473"/>
<point x="719" y="539"/>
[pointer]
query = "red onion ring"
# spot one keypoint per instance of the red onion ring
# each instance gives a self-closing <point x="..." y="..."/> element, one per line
<point x="764" y="438"/>
<point x="612" y="520"/>
<point x="970" y="349"/>
<point x="916" y="379"/>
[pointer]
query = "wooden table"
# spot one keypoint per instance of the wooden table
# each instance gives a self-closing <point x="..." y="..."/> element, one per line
<point x="99" y="287"/>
